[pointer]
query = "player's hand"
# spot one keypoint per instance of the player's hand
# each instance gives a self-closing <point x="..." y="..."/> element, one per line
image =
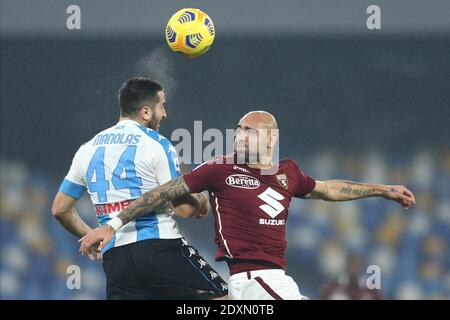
<point x="401" y="195"/>
<point x="201" y="215"/>
<point x="101" y="236"/>
<point x="204" y="209"/>
<point x="94" y="252"/>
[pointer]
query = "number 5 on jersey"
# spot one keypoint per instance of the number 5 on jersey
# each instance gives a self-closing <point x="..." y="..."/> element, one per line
<point x="101" y="185"/>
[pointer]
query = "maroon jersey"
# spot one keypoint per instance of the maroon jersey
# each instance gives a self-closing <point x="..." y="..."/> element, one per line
<point x="250" y="209"/>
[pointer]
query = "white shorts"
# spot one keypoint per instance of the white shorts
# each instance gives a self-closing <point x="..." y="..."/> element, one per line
<point x="268" y="284"/>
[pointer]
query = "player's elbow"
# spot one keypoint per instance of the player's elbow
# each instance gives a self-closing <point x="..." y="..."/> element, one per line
<point x="327" y="191"/>
<point x="58" y="210"/>
<point x="330" y="196"/>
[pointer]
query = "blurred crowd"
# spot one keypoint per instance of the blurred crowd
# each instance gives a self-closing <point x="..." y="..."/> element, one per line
<point x="36" y="251"/>
<point x="331" y="246"/>
<point x="410" y="247"/>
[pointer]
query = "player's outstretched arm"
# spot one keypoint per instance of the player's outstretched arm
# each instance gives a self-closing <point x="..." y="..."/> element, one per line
<point x="343" y="190"/>
<point x="169" y="191"/>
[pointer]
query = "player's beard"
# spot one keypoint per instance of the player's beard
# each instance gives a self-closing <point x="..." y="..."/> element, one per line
<point x="154" y="123"/>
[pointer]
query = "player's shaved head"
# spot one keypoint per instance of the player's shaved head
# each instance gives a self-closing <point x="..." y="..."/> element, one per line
<point x="260" y="119"/>
<point x="256" y="136"/>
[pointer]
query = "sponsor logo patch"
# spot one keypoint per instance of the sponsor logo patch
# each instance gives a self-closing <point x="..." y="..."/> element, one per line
<point x="242" y="181"/>
<point x="272" y="222"/>
<point x="241" y="169"/>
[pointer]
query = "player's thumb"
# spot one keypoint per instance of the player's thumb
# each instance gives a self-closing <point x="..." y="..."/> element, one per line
<point x="405" y="197"/>
<point x="102" y="245"/>
<point x="106" y="239"/>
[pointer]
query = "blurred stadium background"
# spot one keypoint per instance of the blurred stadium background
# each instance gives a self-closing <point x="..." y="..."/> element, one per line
<point x="351" y="103"/>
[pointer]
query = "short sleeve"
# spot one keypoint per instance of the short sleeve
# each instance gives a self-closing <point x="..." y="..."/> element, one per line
<point x="166" y="163"/>
<point x="74" y="183"/>
<point x="305" y="184"/>
<point x="203" y="177"/>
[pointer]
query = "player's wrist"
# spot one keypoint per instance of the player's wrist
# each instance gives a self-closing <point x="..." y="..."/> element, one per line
<point x="115" y="223"/>
<point x="382" y="191"/>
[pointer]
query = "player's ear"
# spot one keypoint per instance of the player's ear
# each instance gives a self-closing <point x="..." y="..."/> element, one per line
<point x="146" y="113"/>
<point x="273" y="137"/>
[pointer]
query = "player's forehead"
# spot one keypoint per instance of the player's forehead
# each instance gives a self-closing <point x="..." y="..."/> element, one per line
<point x="162" y="96"/>
<point x="247" y="125"/>
<point x="255" y="121"/>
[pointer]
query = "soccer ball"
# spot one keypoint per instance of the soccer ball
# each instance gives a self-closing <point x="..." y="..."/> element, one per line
<point x="190" y="31"/>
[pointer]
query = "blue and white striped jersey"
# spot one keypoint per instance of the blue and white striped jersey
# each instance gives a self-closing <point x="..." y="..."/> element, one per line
<point x="118" y="165"/>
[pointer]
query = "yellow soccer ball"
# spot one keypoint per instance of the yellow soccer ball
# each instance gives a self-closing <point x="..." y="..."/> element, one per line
<point x="190" y="32"/>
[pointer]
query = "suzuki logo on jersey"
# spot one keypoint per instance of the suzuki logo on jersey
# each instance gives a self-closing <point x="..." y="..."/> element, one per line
<point x="273" y="206"/>
<point x="272" y="222"/>
<point x="242" y="181"/>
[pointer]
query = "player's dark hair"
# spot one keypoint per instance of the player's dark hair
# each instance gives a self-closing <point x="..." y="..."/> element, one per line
<point x="137" y="92"/>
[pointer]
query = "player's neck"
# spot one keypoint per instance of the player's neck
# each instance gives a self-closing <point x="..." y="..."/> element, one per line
<point x="265" y="163"/>
<point x="121" y="118"/>
<point x="259" y="165"/>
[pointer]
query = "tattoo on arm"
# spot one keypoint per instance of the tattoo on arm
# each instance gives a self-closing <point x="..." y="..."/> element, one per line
<point x="346" y="190"/>
<point x="363" y="193"/>
<point x="358" y="190"/>
<point x="152" y="199"/>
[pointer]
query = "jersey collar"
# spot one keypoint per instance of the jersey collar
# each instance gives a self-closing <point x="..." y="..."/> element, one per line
<point x="129" y="121"/>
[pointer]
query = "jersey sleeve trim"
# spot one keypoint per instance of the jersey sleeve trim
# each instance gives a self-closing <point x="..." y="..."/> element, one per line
<point x="168" y="149"/>
<point x="72" y="189"/>
<point x="203" y="177"/>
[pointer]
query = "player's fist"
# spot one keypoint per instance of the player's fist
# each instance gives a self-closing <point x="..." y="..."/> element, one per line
<point x="204" y="206"/>
<point x="401" y="195"/>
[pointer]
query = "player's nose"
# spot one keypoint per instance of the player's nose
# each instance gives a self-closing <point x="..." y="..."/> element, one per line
<point x="242" y="141"/>
<point x="241" y="135"/>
